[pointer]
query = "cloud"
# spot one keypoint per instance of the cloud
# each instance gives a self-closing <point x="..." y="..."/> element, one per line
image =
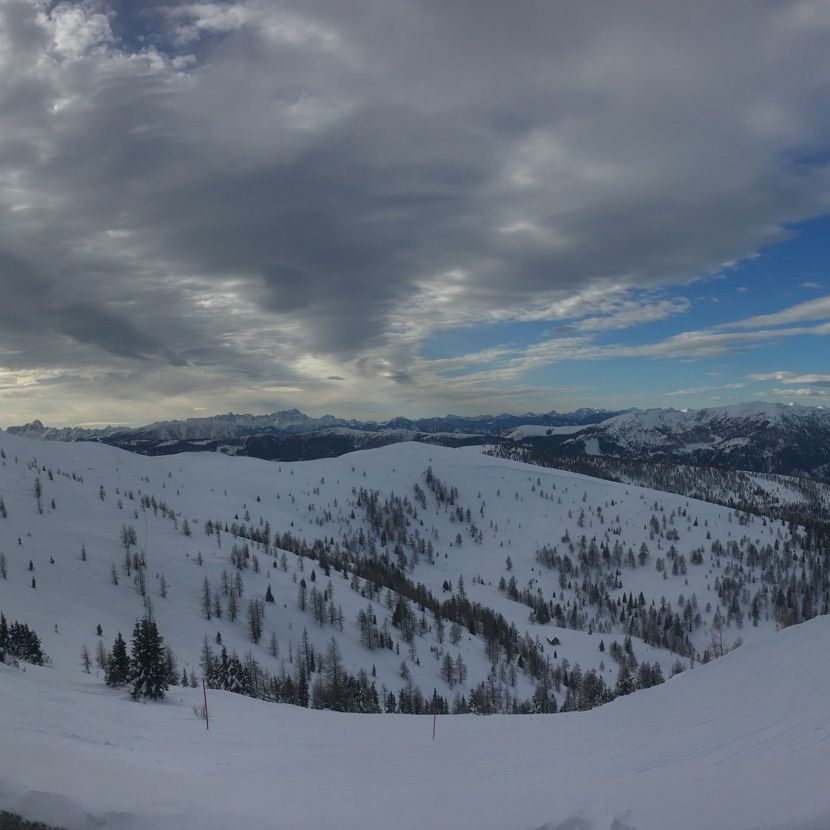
<point x="792" y="378"/>
<point x="803" y="392"/>
<point x="702" y="390"/>
<point x="818" y="309"/>
<point x="628" y="314"/>
<point x="260" y="195"/>
<point x="504" y="364"/>
<point x="706" y="343"/>
<point x="816" y="285"/>
<point x="110" y="332"/>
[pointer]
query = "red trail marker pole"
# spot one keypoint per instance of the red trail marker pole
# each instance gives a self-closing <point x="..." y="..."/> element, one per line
<point x="204" y="694"/>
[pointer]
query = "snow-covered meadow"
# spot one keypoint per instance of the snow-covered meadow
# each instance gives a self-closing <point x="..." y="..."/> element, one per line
<point x="741" y="743"/>
<point x="703" y="750"/>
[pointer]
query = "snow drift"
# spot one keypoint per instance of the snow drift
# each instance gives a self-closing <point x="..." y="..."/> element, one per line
<point x="740" y="743"/>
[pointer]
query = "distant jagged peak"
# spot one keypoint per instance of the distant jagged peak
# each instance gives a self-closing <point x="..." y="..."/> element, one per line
<point x="236" y="425"/>
<point x="288" y="422"/>
<point x="36" y="429"/>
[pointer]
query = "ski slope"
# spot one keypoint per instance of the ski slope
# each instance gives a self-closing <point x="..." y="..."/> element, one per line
<point x="737" y="743"/>
<point x="740" y="743"/>
<point x="514" y="507"/>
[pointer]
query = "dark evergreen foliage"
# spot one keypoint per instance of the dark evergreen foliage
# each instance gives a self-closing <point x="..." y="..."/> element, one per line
<point x="19" y="642"/>
<point x="118" y="665"/>
<point x="148" y="667"/>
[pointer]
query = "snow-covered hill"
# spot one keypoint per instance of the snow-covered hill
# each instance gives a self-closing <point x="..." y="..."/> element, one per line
<point x="515" y="572"/>
<point x="763" y="437"/>
<point x="742" y="743"/>
<point x="436" y="578"/>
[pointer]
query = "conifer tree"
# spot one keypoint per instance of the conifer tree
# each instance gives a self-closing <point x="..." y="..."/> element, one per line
<point x="21" y="643"/>
<point x="255" y="618"/>
<point x="233" y="606"/>
<point x="207" y="605"/>
<point x="171" y="667"/>
<point x="148" y="668"/>
<point x="118" y="666"/>
<point x="448" y="670"/>
<point x="101" y="656"/>
<point x="4" y="637"/>
<point x="625" y="682"/>
<point x="207" y="662"/>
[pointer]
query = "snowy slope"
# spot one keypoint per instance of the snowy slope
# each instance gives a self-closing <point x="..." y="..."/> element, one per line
<point x="763" y="437"/>
<point x="72" y="596"/>
<point x="741" y="743"/>
<point x="535" y="430"/>
<point x="514" y="509"/>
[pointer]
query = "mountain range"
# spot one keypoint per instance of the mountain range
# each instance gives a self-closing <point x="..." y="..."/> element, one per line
<point x="762" y="437"/>
<point x="291" y="435"/>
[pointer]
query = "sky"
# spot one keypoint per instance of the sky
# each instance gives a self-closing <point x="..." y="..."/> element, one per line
<point x="384" y="207"/>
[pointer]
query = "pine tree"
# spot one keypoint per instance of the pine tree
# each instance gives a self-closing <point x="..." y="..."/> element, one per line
<point x="460" y="670"/>
<point x="23" y="643"/>
<point x="301" y="595"/>
<point x="4" y="637"/>
<point x="101" y="656"/>
<point x="171" y="667"/>
<point x="233" y="606"/>
<point x="207" y="605"/>
<point x="448" y="670"/>
<point x="625" y="682"/>
<point x="334" y="676"/>
<point x="207" y="661"/>
<point x="255" y="617"/>
<point x="148" y="669"/>
<point x="118" y="665"/>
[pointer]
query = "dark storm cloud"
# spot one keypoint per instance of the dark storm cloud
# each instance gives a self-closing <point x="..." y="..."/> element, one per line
<point x="24" y="291"/>
<point x="272" y="179"/>
<point x="110" y="332"/>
